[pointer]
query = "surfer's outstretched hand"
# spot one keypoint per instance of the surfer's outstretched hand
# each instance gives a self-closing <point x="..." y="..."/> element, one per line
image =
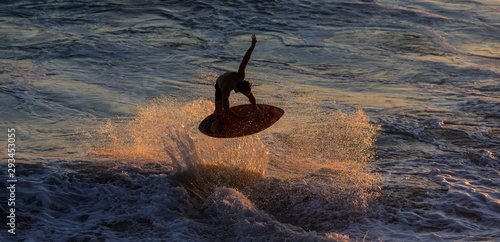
<point x="254" y="39"/>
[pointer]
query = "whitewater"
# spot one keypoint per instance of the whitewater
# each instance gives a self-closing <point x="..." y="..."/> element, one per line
<point x="391" y="128"/>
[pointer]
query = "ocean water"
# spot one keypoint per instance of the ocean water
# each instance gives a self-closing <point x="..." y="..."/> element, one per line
<point x="391" y="128"/>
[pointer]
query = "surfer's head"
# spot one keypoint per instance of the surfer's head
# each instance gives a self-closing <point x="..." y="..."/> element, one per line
<point x="244" y="87"/>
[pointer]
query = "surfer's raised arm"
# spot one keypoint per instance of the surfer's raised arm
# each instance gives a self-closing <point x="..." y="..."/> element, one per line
<point x="246" y="58"/>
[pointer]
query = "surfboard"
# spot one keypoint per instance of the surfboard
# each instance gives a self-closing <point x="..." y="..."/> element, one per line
<point x="231" y="127"/>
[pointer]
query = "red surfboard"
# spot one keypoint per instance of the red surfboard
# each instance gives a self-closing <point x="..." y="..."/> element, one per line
<point x="231" y="127"/>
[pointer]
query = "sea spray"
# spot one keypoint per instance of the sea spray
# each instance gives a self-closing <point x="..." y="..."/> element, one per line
<point x="317" y="135"/>
<point x="165" y="132"/>
<point x="318" y="178"/>
<point x="142" y="138"/>
<point x="316" y="159"/>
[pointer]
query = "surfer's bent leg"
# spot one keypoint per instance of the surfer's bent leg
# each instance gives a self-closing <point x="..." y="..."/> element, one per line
<point x="218" y="101"/>
<point x="218" y="108"/>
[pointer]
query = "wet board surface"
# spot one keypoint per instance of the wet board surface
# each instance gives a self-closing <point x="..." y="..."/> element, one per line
<point x="231" y="127"/>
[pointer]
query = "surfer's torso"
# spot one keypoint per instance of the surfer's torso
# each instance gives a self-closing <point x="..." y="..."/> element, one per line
<point x="227" y="82"/>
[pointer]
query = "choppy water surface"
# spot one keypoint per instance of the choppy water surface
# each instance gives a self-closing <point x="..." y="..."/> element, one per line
<point x="391" y="128"/>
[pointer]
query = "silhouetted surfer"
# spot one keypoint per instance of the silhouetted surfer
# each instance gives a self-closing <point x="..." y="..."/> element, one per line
<point x="230" y="81"/>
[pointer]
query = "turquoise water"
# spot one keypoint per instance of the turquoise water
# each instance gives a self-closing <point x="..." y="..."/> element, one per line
<point x="75" y="75"/>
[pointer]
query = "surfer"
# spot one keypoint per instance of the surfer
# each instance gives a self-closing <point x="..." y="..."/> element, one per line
<point x="230" y="81"/>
